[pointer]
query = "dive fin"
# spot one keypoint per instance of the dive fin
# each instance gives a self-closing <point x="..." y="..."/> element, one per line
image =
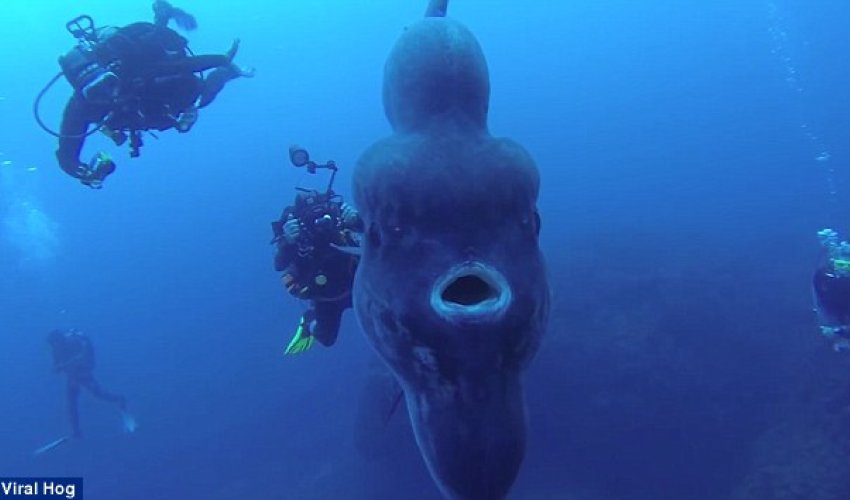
<point x="130" y="424"/>
<point x="164" y="12"/>
<point x="302" y="340"/>
<point x="51" y="445"/>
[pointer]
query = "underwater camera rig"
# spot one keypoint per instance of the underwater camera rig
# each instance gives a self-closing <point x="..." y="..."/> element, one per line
<point x="312" y="208"/>
<point x="300" y="157"/>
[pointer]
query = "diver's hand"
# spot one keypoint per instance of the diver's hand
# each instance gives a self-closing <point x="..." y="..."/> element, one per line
<point x="349" y="215"/>
<point x="92" y="183"/>
<point x="291" y="230"/>
<point x="93" y="174"/>
<point x="87" y="177"/>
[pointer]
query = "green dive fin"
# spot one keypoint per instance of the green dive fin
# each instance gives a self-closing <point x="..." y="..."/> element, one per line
<point x="302" y="341"/>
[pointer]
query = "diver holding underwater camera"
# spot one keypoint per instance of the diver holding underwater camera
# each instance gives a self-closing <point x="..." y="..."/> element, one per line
<point x="316" y="241"/>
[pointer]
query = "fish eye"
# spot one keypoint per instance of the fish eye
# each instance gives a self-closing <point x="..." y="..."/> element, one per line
<point x="374" y="235"/>
<point x="532" y="221"/>
<point x="396" y="231"/>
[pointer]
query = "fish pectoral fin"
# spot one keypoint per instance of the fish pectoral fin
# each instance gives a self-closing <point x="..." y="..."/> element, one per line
<point x="350" y="250"/>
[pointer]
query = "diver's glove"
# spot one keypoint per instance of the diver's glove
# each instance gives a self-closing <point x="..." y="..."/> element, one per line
<point x="349" y="215"/>
<point x="98" y="169"/>
<point x="302" y="340"/>
<point x="117" y="136"/>
<point x="291" y="230"/>
<point x="187" y="119"/>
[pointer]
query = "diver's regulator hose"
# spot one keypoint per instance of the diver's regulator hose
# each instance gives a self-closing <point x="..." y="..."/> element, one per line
<point x="37" y="103"/>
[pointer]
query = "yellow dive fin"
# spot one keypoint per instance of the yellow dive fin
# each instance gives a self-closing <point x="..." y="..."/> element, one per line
<point x="302" y="340"/>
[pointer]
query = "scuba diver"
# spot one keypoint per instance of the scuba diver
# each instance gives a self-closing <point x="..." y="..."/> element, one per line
<point x="831" y="287"/>
<point x="316" y="241"/>
<point x="73" y="354"/>
<point x="133" y="79"/>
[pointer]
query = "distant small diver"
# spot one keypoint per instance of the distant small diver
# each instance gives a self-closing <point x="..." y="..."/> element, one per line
<point x="73" y="355"/>
<point x="831" y="290"/>
<point x="129" y="80"/>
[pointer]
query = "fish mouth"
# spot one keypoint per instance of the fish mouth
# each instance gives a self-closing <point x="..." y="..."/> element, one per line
<point x="471" y="292"/>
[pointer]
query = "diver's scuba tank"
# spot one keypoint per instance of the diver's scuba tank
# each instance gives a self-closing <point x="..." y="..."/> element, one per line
<point x="82" y="67"/>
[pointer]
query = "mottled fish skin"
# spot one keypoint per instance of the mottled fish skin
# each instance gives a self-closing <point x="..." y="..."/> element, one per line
<point x="451" y="288"/>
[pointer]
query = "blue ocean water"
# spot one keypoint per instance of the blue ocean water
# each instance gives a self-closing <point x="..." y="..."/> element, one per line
<point x="689" y="151"/>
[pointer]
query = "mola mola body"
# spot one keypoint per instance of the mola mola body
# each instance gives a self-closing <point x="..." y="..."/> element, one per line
<point x="451" y="288"/>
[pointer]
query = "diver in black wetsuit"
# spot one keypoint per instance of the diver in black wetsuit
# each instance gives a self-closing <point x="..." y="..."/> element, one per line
<point x="73" y="354"/>
<point x="132" y="79"/>
<point x="311" y="238"/>
<point x="831" y="290"/>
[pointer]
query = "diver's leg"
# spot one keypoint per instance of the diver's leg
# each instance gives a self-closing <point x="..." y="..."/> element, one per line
<point x="98" y="392"/>
<point x="197" y="64"/>
<point x="191" y="64"/>
<point x="215" y="81"/>
<point x="73" y="396"/>
<point x="328" y="319"/>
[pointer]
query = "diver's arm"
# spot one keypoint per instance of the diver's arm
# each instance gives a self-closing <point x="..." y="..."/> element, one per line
<point x="59" y="367"/>
<point x="87" y="349"/>
<point x="189" y="64"/>
<point x="58" y="364"/>
<point x="83" y="352"/>
<point x="75" y="124"/>
<point x="285" y="255"/>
